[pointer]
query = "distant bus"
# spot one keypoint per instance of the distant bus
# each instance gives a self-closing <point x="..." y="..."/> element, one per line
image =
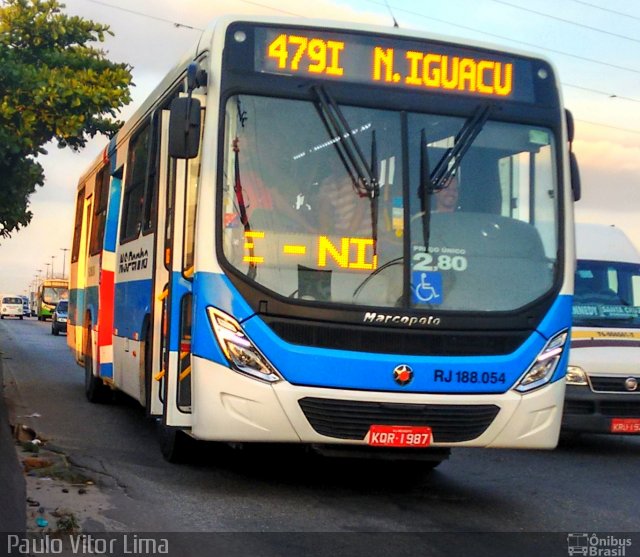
<point x="50" y="292"/>
<point x="210" y="279"/>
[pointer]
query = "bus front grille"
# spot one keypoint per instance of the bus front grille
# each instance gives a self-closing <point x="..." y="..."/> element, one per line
<point x="396" y="341"/>
<point x="347" y="419"/>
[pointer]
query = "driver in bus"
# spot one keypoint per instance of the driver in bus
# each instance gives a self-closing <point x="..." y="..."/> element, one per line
<point x="446" y="200"/>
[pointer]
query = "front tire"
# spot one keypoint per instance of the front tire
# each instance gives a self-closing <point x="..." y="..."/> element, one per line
<point x="175" y="444"/>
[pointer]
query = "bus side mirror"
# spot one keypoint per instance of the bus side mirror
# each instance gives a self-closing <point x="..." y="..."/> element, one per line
<point x="575" y="177"/>
<point x="570" y="125"/>
<point x="184" y="128"/>
<point x="576" y="188"/>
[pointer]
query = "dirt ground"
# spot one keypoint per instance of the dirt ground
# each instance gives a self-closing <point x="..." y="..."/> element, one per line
<point x="61" y="499"/>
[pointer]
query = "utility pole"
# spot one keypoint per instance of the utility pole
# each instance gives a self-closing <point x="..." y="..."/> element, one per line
<point x="64" y="258"/>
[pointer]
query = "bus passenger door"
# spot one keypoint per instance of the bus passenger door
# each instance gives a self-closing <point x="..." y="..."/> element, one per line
<point x="174" y="270"/>
<point x="83" y="328"/>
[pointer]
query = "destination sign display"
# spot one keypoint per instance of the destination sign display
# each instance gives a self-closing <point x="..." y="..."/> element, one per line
<point x="398" y="63"/>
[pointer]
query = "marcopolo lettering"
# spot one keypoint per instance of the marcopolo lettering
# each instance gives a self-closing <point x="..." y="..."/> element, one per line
<point x="131" y="261"/>
<point x="402" y="320"/>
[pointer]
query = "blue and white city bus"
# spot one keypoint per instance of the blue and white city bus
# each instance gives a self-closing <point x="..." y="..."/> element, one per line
<point x="257" y="256"/>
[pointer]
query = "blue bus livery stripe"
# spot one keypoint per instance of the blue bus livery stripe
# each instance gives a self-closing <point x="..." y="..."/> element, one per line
<point x="558" y="317"/>
<point x="81" y="301"/>
<point x="76" y="303"/>
<point x="342" y="369"/>
<point x="131" y="304"/>
<point x="213" y="289"/>
<point x="106" y="370"/>
<point x="111" y="226"/>
<point x="179" y="288"/>
<point x="91" y="305"/>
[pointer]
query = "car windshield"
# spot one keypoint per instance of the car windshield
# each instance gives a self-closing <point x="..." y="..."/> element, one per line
<point x="12" y="301"/>
<point x="298" y="221"/>
<point x="607" y="294"/>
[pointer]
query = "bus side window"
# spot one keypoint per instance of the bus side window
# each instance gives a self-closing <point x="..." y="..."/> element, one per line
<point x="100" y="211"/>
<point x="152" y="184"/>
<point x="77" y="227"/>
<point x="134" y="185"/>
<point x="191" y="196"/>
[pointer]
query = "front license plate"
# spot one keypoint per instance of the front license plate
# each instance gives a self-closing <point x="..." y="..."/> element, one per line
<point x="399" y="436"/>
<point x="625" y="425"/>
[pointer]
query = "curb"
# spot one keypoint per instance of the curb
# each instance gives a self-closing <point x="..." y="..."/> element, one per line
<point x="13" y="514"/>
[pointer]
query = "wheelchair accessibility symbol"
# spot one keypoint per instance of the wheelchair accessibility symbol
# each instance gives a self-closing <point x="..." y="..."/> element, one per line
<point x="426" y="288"/>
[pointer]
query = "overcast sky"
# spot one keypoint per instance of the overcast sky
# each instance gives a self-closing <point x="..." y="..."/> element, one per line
<point x="594" y="45"/>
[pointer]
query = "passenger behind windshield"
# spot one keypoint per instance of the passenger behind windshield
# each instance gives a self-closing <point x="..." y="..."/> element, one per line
<point x="341" y="210"/>
<point x="267" y="184"/>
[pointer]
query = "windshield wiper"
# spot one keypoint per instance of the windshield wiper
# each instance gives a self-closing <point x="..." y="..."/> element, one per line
<point x="244" y="218"/>
<point x="450" y="162"/>
<point x="425" y="189"/>
<point x="432" y="182"/>
<point x="363" y="174"/>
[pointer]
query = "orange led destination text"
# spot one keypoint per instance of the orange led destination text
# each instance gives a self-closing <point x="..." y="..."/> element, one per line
<point x="440" y="71"/>
<point x="249" y="245"/>
<point x="346" y="253"/>
<point x="295" y="53"/>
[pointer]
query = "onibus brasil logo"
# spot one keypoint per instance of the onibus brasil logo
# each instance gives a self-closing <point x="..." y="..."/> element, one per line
<point x="597" y="545"/>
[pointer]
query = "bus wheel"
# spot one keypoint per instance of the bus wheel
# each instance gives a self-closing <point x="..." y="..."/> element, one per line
<point x="175" y="444"/>
<point x="95" y="390"/>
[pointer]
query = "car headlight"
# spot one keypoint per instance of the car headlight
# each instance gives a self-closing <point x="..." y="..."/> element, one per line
<point x="544" y="365"/>
<point x="576" y="376"/>
<point x="241" y="353"/>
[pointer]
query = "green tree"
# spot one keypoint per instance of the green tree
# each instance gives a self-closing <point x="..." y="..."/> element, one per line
<point x="54" y="85"/>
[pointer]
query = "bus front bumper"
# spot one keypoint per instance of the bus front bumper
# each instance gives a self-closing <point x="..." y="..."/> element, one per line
<point x="228" y="406"/>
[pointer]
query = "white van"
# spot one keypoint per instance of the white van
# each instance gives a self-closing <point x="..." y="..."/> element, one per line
<point x="603" y="378"/>
<point x="10" y="306"/>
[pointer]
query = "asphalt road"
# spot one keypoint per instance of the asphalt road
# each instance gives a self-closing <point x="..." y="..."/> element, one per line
<point x="589" y="486"/>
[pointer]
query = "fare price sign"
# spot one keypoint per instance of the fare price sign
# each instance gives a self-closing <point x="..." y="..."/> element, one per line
<point x="397" y="63"/>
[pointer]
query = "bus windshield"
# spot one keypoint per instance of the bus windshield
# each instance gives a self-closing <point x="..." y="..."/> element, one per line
<point x="607" y="294"/>
<point x="52" y="295"/>
<point x="296" y="222"/>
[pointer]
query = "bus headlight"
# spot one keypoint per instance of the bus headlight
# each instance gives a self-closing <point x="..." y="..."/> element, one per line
<point x="545" y="364"/>
<point x="241" y="353"/>
<point x="576" y="376"/>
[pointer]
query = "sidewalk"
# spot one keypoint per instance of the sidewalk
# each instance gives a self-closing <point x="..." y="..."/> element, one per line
<point x="12" y="484"/>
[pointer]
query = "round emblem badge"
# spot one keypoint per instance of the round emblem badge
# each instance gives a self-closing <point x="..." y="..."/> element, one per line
<point x="402" y="375"/>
